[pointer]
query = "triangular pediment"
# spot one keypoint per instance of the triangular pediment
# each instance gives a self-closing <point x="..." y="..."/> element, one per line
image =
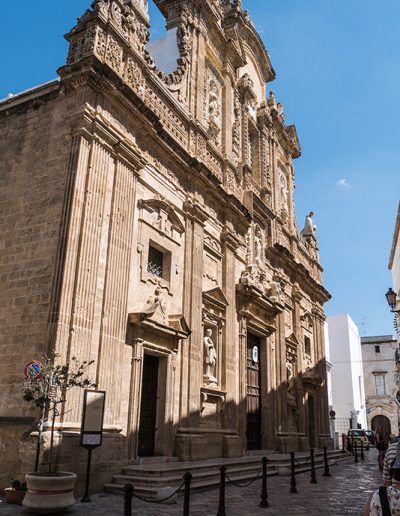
<point x="215" y="296"/>
<point x="293" y="340"/>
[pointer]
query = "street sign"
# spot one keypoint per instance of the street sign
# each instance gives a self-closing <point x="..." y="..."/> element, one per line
<point x="33" y="370"/>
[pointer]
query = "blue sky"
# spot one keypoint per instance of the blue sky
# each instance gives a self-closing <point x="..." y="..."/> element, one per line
<point x="338" y="74"/>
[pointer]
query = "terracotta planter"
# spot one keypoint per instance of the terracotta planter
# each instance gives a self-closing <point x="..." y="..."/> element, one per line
<point x="14" y="496"/>
<point x="49" y="494"/>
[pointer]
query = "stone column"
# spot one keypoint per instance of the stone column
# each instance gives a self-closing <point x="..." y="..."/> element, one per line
<point x="64" y="285"/>
<point x="230" y="353"/>
<point x="296" y="296"/>
<point x="242" y="365"/>
<point x="116" y="283"/>
<point x="135" y="340"/>
<point x="268" y="391"/>
<point x="281" y="375"/>
<point x="192" y="351"/>
<point x="320" y="367"/>
<point x="90" y="267"/>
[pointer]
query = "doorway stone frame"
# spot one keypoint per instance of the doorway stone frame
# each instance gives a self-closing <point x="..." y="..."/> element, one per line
<point x="148" y="336"/>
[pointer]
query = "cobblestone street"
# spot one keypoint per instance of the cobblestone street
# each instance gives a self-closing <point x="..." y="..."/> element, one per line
<point x="344" y="493"/>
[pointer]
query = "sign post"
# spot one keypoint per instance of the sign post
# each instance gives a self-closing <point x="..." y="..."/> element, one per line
<point x="33" y="372"/>
<point x="92" y="429"/>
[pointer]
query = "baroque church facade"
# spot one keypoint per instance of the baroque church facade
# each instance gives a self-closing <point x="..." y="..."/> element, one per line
<point x="149" y="224"/>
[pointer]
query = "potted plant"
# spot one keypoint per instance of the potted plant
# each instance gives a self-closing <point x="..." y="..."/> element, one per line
<point x="46" y="384"/>
<point x="15" y="493"/>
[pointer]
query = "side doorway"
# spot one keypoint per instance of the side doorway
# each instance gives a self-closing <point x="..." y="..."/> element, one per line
<point x="148" y="406"/>
<point x="253" y="397"/>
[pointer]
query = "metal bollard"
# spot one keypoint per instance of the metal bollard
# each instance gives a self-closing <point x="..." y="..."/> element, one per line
<point x="362" y="451"/>
<point x="293" y="488"/>
<point x="187" y="477"/>
<point x="264" y="493"/>
<point x="128" y="494"/>
<point x="221" y="504"/>
<point x="313" y="475"/>
<point x="326" y="465"/>
<point x="355" y="452"/>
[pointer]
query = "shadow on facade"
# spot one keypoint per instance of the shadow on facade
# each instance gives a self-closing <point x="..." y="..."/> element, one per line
<point x="292" y="417"/>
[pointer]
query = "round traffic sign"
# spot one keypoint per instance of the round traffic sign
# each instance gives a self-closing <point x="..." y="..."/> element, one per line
<point x="33" y="370"/>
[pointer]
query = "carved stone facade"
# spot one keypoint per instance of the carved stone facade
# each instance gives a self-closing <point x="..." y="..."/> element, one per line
<point x="150" y="226"/>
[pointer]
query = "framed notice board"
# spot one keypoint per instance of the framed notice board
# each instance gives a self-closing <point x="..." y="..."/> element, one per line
<point x="92" y="419"/>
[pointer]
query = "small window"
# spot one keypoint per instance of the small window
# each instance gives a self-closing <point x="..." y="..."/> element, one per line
<point x="377" y="349"/>
<point x="307" y="346"/>
<point x="155" y="262"/>
<point x="380" y="385"/>
<point x="159" y="262"/>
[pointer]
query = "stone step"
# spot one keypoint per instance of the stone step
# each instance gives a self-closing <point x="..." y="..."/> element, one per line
<point x="176" y="478"/>
<point x="149" y="478"/>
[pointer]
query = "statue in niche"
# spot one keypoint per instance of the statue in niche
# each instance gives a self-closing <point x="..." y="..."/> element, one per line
<point x="309" y="226"/>
<point x="258" y="246"/>
<point x="213" y="103"/>
<point x="210" y="357"/>
<point x="283" y="192"/>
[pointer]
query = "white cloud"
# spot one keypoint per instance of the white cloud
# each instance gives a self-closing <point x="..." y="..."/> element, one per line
<point x="343" y="183"/>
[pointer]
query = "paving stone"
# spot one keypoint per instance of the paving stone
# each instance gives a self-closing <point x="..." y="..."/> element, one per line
<point x="345" y="493"/>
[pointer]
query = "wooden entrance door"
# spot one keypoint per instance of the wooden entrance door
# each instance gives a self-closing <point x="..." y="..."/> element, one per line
<point x="253" y="399"/>
<point x="384" y="423"/>
<point x="148" y="406"/>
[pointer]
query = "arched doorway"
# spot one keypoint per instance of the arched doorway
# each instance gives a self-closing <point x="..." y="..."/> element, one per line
<point x="383" y="422"/>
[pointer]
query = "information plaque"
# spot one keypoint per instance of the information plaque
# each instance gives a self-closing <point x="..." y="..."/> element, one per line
<point x="92" y="419"/>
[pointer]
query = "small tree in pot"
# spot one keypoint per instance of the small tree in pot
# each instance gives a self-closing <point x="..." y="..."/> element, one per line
<point x="46" y="384"/>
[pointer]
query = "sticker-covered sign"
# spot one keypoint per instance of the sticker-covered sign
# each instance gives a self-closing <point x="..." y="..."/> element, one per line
<point x="33" y="370"/>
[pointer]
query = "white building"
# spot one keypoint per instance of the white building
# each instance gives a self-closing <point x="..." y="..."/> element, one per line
<point x="347" y="373"/>
<point x="380" y="378"/>
<point x="329" y="366"/>
<point x="394" y="265"/>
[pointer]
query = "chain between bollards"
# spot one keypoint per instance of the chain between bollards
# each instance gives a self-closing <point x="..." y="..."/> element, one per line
<point x="221" y="504"/>
<point x="326" y="465"/>
<point x="313" y="475"/>
<point x="362" y="451"/>
<point x="293" y="488"/>
<point x="187" y="477"/>
<point x="355" y="452"/>
<point x="264" y="493"/>
<point x="128" y="494"/>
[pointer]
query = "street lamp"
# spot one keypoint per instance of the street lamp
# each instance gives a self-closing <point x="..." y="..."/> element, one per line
<point x="391" y="297"/>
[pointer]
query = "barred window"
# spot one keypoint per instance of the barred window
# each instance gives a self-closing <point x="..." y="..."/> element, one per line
<point x="155" y="262"/>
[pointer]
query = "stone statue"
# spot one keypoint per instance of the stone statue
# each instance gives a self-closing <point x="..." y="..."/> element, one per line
<point x="283" y="192"/>
<point x="213" y="103"/>
<point x="210" y="357"/>
<point x="258" y="246"/>
<point x="309" y="226"/>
